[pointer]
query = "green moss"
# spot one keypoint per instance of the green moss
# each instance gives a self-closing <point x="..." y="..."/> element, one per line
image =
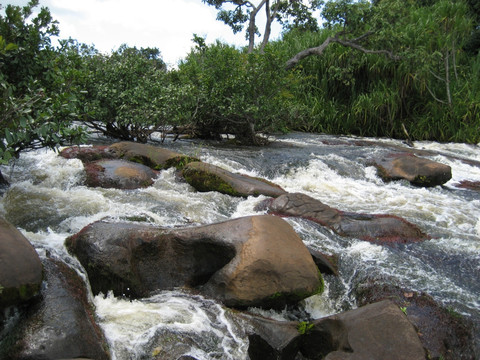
<point x="179" y="162"/>
<point x="304" y="327"/>
<point x="204" y="181"/>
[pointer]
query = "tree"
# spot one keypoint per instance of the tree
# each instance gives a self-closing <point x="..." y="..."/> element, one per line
<point x="236" y="13"/>
<point x="129" y="95"/>
<point x="36" y="110"/>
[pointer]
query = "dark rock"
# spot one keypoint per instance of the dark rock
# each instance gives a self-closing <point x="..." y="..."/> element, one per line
<point x="419" y="171"/>
<point x="327" y="264"/>
<point x="88" y="154"/>
<point x="3" y="183"/>
<point x="151" y="156"/>
<point x="375" y="228"/>
<point x="206" y="177"/>
<point x="444" y="333"/>
<point x="376" y="331"/>
<point x="61" y="325"/>
<point x="118" y="174"/>
<point x="471" y="185"/>
<point x="20" y="267"/>
<point x="251" y="261"/>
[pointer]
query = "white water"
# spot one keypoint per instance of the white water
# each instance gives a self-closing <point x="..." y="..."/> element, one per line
<point x="48" y="202"/>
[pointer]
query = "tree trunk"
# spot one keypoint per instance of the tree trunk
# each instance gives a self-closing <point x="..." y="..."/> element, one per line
<point x="252" y="27"/>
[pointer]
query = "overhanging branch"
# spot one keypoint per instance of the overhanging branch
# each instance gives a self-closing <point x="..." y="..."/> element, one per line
<point x="353" y="43"/>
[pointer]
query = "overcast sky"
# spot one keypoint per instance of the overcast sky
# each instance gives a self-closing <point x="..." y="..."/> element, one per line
<point x="168" y="25"/>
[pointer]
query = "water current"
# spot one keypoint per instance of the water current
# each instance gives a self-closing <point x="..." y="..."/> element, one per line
<point x="48" y="202"/>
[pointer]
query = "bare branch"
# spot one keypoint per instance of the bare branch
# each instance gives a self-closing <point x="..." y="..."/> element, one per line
<point x="348" y="43"/>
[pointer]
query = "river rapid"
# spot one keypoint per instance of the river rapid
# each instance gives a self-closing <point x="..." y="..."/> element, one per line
<point x="48" y="202"/>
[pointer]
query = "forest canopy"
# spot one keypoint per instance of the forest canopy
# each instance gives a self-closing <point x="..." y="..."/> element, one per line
<point x="381" y="68"/>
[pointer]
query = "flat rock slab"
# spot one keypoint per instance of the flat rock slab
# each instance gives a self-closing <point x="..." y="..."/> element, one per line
<point x="206" y="177"/>
<point x="118" y="174"/>
<point x="418" y="171"/>
<point x="377" y="331"/>
<point x="20" y="267"/>
<point x="383" y="229"/>
<point x="251" y="261"/>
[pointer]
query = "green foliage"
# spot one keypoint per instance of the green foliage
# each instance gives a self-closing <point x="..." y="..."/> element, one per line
<point x="129" y="95"/>
<point x="36" y="107"/>
<point x="234" y="92"/>
<point x="304" y="327"/>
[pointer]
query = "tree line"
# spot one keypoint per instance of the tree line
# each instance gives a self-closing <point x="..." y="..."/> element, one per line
<point x="385" y="68"/>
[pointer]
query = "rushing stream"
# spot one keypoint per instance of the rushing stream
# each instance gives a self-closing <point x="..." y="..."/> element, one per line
<point x="48" y="203"/>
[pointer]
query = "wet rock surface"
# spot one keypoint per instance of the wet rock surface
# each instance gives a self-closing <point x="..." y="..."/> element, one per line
<point x="418" y="171"/>
<point x="377" y="331"/>
<point x="118" y="174"/>
<point x="444" y="333"/>
<point x="383" y="229"/>
<point x="61" y="324"/>
<point x="251" y="261"/>
<point x="205" y="177"/>
<point x="20" y="267"/>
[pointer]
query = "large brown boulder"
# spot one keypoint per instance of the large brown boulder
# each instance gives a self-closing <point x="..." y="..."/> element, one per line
<point x="374" y="228"/>
<point x="60" y="325"/>
<point x="88" y="153"/>
<point x="419" y="171"/>
<point x="207" y="177"/>
<point x="151" y="156"/>
<point x="20" y="267"/>
<point x="118" y="174"/>
<point x="444" y="333"/>
<point x="251" y="261"/>
<point x="374" y="332"/>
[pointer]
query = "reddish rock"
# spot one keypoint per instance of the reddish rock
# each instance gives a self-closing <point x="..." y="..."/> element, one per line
<point x="119" y="174"/>
<point x="88" y="154"/>
<point x="373" y="228"/>
<point x="419" y="171"/>
<point x="20" y="267"/>
<point x="471" y="185"/>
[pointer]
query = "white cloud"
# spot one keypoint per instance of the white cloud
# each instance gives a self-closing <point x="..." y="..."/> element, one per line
<point x="168" y="25"/>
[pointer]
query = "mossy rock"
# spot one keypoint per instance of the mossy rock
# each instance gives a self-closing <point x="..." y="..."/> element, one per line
<point x="206" y="177"/>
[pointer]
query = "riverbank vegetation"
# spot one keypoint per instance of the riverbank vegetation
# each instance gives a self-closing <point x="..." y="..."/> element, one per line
<point x="382" y="68"/>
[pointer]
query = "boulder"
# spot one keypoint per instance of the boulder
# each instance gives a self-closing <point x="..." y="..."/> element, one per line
<point x="118" y="174"/>
<point x="61" y="325"/>
<point x="444" y="333"/>
<point x="374" y="332"/>
<point x="375" y="228"/>
<point x="327" y="264"/>
<point x="151" y="156"/>
<point x="419" y="171"/>
<point x="88" y="153"/>
<point x="20" y="267"/>
<point x="251" y="261"/>
<point x="207" y="177"/>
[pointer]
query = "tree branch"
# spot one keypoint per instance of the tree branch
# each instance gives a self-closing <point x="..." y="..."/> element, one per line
<point x="348" y="43"/>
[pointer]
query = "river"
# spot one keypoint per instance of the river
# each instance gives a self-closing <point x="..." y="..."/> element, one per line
<point x="48" y="202"/>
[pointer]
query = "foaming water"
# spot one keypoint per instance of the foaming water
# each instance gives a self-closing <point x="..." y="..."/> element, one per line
<point x="170" y="323"/>
<point x="48" y="202"/>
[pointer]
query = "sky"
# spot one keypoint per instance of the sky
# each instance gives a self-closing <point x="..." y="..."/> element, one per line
<point x="168" y="25"/>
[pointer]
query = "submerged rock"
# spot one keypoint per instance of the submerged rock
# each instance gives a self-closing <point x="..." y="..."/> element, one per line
<point x="61" y="325"/>
<point x="20" y="267"/>
<point x="251" y="261"/>
<point x="374" y="332"/>
<point x="206" y="177"/>
<point x="374" y="228"/>
<point x="419" y="171"/>
<point x="118" y="174"/>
